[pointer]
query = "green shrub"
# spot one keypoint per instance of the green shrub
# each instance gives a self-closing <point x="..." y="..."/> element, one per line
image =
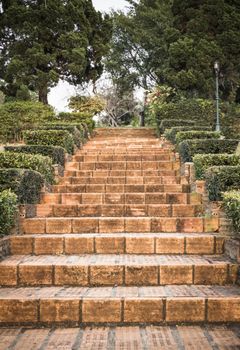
<point x="8" y="210"/>
<point x="82" y="127"/>
<point x="74" y="117"/>
<point x="26" y="184"/>
<point x="77" y="135"/>
<point x="57" y="154"/>
<point x="204" y="161"/>
<point x="60" y="138"/>
<point x="171" y="133"/>
<point x="28" y="161"/>
<point x="188" y="109"/>
<point x="170" y="123"/>
<point x="187" y="149"/>
<point x="21" y="115"/>
<point x="202" y="110"/>
<point x="231" y="204"/>
<point x="190" y="135"/>
<point x="221" y="179"/>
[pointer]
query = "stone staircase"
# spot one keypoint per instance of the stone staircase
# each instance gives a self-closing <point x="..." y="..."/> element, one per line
<point x="120" y="240"/>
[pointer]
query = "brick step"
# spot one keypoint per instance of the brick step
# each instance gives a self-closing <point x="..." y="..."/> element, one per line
<point x="120" y="305"/>
<point x="165" y="165"/>
<point x="121" y="198"/>
<point x="106" y="210"/>
<point x="129" y="142"/>
<point x="142" y="145"/>
<point x="119" y="225"/>
<point x="116" y="270"/>
<point x="121" y="173"/>
<point x="123" y="158"/>
<point x="131" y="153"/>
<point x="127" y="149"/>
<point x="118" y="243"/>
<point x="118" y="188"/>
<point x="138" y="180"/>
<point x="129" y="337"/>
<point x="125" y="132"/>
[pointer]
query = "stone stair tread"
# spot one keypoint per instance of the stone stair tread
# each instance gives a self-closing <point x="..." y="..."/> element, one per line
<point x="117" y="243"/>
<point x="115" y="260"/>
<point x="123" y="235"/>
<point x="119" y="305"/>
<point x="131" y="337"/>
<point x="138" y="292"/>
<point x="116" y="193"/>
<point x="118" y="217"/>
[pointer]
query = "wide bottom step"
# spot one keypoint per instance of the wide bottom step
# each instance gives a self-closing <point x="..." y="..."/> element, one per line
<point x="123" y="338"/>
<point x="119" y="305"/>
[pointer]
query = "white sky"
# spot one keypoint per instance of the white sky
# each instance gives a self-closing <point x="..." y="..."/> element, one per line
<point x="58" y="96"/>
<point x="106" y="5"/>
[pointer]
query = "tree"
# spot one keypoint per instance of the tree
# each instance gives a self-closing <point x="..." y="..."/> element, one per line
<point x="87" y="105"/>
<point x="209" y="30"/>
<point x="119" y="108"/>
<point x="176" y="42"/>
<point x="139" y="46"/>
<point x="44" y="41"/>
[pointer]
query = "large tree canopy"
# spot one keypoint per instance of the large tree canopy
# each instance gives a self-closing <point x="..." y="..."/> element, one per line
<point x="176" y="43"/>
<point x="42" y="41"/>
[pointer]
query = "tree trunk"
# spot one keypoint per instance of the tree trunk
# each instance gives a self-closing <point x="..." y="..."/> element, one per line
<point x="43" y="95"/>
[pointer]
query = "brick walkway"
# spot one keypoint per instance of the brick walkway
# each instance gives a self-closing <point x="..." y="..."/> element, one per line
<point x="123" y="338"/>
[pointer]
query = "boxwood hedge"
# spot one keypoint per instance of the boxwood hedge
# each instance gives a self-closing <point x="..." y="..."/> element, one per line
<point x="187" y="149"/>
<point x="75" y="117"/>
<point x="78" y="136"/>
<point x="194" y="134"/>
<point x="231" y="204"/>
<point x="204" y="161"/>
<point x="21" y="115"/>
<point x="188" y="109"/>
<point x="220" y="179"/>
<point x="171" y="133"/>
<point x="8" y="210"/>
<point x="35" y="162"/>
<point x="60" y="138"/>
<point x="57" y="154"/>
<point x="170" y="123"/>
<point x="26" y="184"/>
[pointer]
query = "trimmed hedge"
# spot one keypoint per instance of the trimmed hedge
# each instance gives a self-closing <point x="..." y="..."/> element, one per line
<point x="221" y="179"/>
<point x="26" y="184"/>
<point x="15" y="117"/>
<point x="204" y="161"/>
<point x="170" y="123"/>
<point x="8" y="210"/>
<point x="190" y="135"/>
<point x="28" y="161"/>
<point x="201" y="110"/>
<point x="171" y="133"/>
<point x="188" y="109"/>
<point x="78" y="136"/>
<point x="60" y="138"/>
<point x="57" y="154"/>
<point x="187" y="149"/>
<point x="231" y="204"/>
<point x="75" y="117"/>
<point x="82" y="127"/>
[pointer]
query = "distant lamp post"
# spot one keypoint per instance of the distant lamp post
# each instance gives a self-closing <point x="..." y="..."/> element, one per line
<point x="217" y="71"/>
